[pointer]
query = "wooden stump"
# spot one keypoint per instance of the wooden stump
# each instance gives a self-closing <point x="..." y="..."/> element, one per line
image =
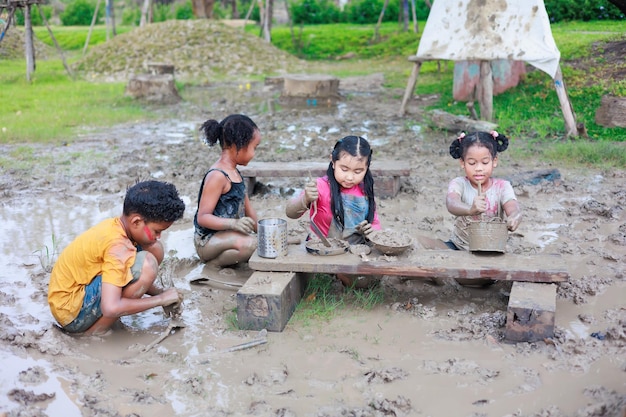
<point x="612" y="112"/>
<point x="154" y="88"/>
<point x="321" y="88"/>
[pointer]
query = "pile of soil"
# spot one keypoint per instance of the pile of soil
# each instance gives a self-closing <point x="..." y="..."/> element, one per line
<point x="12" y="45"/>
<point x="202" y="51"/>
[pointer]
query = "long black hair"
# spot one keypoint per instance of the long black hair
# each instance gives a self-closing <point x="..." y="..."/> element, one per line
<point x="360" y="148"/>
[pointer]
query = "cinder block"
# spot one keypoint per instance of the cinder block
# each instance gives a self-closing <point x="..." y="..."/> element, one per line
<point x="268" y="299"/>
<point x="387" y="186"/>
<point x="531" y="312"/>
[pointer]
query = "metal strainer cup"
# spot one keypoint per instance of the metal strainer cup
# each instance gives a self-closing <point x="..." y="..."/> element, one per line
<point x="272" y="238"/>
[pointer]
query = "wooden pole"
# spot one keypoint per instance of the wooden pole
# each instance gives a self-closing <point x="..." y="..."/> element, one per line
<point x="252" y="3"/>
<point x="380" y="19"/>
<point x="566" y="105"/>
<point x="56" y="44"/>
<point x="28" y="43"/>
<point x="93" y="22"/>
<point x="485" y="91"/>
<point x="410" y="87"/>
<point x="414" y="13"/>
<point x="266" y="21"/>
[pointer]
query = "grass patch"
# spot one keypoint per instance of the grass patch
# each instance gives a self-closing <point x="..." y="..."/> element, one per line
<point x="52" y="107"/>
<point x="322" y="301"/>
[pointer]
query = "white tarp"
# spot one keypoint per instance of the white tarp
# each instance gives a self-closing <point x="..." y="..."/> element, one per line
<point x="490" y="29"/>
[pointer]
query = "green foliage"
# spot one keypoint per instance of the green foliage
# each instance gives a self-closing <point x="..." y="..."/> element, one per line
<point x="162" y="13"/>
<point x="567" y="10"/>
<point x="131" y="16"/>
<point x="80" y="13"/>
<point x="368" y="11"/>
<point x="184" y="11"/>
<point x="35" y="17"/>
<point x="313" y="12"/>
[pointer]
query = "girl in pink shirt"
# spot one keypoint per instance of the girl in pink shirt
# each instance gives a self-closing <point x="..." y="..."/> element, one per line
<point x="342" y="201"/>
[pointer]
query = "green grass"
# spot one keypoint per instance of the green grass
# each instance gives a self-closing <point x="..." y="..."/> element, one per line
<point x="530" y="114"/>
<point x="321" y="302"/>
<point x="52" y="107"/>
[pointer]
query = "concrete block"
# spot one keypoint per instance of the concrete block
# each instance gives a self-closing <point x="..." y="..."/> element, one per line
<point x="531" y="312"/>
<point x="268" y="299"/>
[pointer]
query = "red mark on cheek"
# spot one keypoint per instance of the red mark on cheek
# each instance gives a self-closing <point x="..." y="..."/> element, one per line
<point x="148" y="233"/>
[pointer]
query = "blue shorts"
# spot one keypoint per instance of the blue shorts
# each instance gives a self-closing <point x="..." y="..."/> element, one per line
<point x="90" y="312"/>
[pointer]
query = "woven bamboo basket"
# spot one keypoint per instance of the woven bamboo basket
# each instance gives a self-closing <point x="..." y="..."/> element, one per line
<point x="488" y="235"/>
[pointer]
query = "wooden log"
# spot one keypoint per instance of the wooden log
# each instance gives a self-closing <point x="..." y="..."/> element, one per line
<point x="154" y="88"/>
<point x="454" y="123"/>
<point x="531" y="312"/>
<point x="612" y="112"/>
<point x="268" y="299"/>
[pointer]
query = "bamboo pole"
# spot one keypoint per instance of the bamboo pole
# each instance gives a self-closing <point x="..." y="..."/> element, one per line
<point x="245" y="21"/>
<point x="566" y="105"/>
<point x="56" y="44"/>
<point x="410" y="87"/>
<point x="93" y="22"/>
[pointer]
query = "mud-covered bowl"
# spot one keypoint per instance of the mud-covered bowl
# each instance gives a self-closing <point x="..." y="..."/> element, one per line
<point x="317" y="247"/>
<point x="390" y="242"/>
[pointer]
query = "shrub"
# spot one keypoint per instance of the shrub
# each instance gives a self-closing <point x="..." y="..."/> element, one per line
<point x="131" y="16"/>
<point x="35" y="17"/>
<point x="80" y="13"/>
<point x="560" y="10"/>
<point x="314" y="12"/>
<point x="184" y="11"/>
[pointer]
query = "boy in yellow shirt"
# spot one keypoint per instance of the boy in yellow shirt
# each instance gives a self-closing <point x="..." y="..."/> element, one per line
<point x="106" y="271"/>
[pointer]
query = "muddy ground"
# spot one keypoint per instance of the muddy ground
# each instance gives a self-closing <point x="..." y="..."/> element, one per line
<point x="427" y="350"/>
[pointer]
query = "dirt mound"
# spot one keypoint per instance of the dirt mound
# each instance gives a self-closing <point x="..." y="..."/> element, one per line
<point x="201" y="50"/>
<point x="12" y="45"/>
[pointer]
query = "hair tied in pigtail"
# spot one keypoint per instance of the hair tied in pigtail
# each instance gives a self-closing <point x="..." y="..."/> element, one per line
<point x="461" y="136"/>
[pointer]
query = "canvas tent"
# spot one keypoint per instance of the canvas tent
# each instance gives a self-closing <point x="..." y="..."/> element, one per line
<point x="489" y="30"/>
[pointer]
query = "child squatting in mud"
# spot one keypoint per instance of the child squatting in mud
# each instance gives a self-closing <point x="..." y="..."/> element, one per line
<point x="106" y="271"/>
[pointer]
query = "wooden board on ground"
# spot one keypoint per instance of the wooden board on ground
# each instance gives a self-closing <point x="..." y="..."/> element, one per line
<point x="423" y="264"/>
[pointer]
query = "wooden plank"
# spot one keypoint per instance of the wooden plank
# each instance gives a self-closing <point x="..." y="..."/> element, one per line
<point x="423" y="264"/>
<point x="317" y="169"/>
<point x="531" y="312"/>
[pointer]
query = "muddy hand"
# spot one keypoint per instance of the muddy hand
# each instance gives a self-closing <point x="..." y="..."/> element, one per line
<point x="364" y="228"/>
<point x="244" y="225"/>
<point x="310" y="192"/>
<point x="513" y="221"/>
<point x="171" y="297"/>
<point x="479" y="205"/>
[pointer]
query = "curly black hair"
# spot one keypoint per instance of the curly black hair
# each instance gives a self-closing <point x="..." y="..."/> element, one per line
<point x="236" y="129"/>
<point x="493" y="141"/>
<point x="155" y="201"/>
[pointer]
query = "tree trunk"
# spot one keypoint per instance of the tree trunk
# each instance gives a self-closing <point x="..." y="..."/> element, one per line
<point x="234" y="10"/>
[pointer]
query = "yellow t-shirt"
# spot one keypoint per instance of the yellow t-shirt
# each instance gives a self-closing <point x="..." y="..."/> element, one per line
<point x="102" y="250"/>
